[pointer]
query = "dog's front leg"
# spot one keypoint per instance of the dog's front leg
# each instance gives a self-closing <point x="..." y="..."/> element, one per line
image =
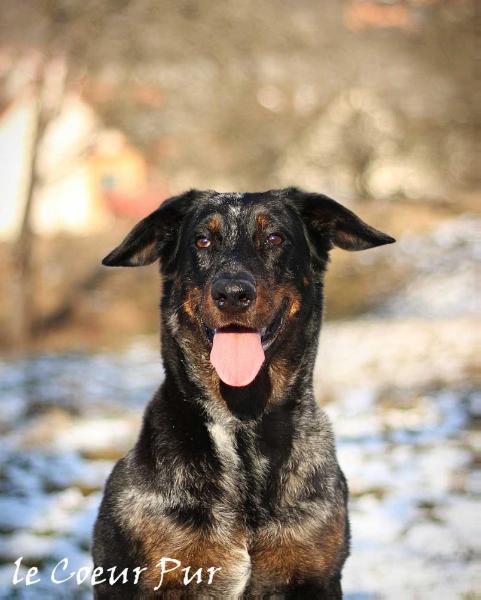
<point x="330" y="590"/>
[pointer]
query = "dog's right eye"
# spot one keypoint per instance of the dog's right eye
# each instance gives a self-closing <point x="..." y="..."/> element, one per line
<point x="202" y="242"/>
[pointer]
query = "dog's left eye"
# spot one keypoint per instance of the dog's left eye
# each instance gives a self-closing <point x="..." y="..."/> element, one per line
<point x="202" y="242"/>
<point x="275" y="239"/>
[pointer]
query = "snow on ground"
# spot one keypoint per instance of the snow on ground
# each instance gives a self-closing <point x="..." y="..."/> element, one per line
<point x="443" y="271"/>
<point x="405" y="444"/>
<point x="416" y="531"/>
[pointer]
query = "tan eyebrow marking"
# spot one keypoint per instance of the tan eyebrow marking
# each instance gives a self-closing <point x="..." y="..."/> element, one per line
<point x="262" y="220"/>
<point x="214" y="224"/>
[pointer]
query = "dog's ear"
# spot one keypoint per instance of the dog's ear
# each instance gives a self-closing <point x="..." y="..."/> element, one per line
<point x="144" y="244"/>
<point x="335" y="224"/>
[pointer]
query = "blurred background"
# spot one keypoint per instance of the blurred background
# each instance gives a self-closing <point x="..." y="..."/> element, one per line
<point x="106" y="109"/>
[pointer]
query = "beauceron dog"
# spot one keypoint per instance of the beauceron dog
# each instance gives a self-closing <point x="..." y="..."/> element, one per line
<point x="233" y="489"/>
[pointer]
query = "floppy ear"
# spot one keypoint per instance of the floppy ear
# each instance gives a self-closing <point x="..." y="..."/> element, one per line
<point x="143" y="245"/>
<point x="335" y="223"/>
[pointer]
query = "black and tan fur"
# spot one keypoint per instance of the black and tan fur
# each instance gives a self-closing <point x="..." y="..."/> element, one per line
<point x="245" y="479"/>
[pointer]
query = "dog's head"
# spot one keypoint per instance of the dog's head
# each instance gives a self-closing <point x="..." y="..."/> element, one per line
<point x="243" y="273"/>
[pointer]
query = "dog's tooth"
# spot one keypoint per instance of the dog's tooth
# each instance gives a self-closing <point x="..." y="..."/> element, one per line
<point x="263" y="331"/>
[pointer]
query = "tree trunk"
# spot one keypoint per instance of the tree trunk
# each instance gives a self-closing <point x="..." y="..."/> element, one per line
<point x="23" y="297"/>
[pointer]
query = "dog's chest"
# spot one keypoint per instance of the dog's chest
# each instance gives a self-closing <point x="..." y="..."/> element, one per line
<point x="286" y="539"/>
<point x="247" y="473"/>
<point x="254" y="519"/>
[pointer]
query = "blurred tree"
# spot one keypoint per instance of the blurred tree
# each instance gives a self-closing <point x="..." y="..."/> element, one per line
<point x="245" y="80"/>
<point x="22" y="296"/>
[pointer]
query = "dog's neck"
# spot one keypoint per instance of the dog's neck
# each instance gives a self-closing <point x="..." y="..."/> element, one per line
<point x="285" y="379"/>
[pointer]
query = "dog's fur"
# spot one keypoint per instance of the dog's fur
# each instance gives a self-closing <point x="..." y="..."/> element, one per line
<point x="245" y="479"/>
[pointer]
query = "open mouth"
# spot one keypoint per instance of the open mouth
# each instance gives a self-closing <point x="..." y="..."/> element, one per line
<point x="238" y="352"/>
<point x="267" y="334"/>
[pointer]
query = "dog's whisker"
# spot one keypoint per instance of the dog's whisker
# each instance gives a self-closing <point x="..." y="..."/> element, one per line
<point x="178" y="308"/>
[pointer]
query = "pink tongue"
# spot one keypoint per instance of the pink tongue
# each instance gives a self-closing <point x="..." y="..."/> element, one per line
<point x="237" y="357"/>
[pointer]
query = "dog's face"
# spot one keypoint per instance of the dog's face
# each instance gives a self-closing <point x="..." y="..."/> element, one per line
<point x="242" y="272"/>
<point x="242" y="265"/>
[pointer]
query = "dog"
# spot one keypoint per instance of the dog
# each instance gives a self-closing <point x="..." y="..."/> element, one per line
<point x="234" y="473"/>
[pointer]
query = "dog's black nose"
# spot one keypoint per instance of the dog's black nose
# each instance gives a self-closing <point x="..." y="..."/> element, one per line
<point x="234" y="295"/>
